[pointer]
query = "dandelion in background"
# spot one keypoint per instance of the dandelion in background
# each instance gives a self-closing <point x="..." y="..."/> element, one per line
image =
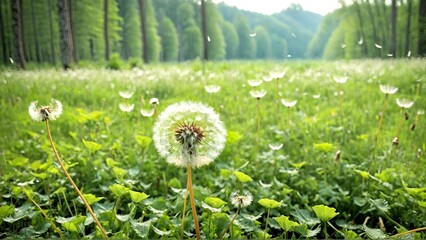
<point x="416" y="119"/>
<point x="267" y="78"/>
<point x="52" y="112"/>
<point x="189" y="134"/>
<point x="288" y="104"/>
<point x="154" y="102"/>
<point x="387" y="90"/>
<point x="403" y="104"/>
<point x="255" y="83"/>
<point x="277" y="75"/>
<point x="275" y="147"/>
<point x="340" y="81"/>
<point x="258" y="94"/>
<point x="212" y="89"/>
<point x="148" y="112"/>
<point x="125" y="107"/>
<point x="239" y="201"/>
<point x="126" y="94"/>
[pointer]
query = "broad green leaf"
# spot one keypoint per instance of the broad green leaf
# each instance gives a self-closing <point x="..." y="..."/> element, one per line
<point x="18" y="162"/>
<point x="351" y="235"/>
<point x="141" y="229"/>
<point x="210" y="208"/>
<point x="269" y="203"/>
<point x="305" y="231"/>
<point x="19" y="213"/>
<point x="119" y="172"/>
<point x="298" y="165"/>
<point x="374" y="233"/>
<point x="325" y="213"/>
<point x="161" y="232"/>
<point x="285" y="223"/>
<point x="242" y="177"/>
<point x="72" y="223"/>
<point x="380" y="204"/>
<point x="95" y="115"/>
<point x="422" y="203"/>
<point x="90" y="198"/>
<point x="41" y="176"/>
<point x="324" y="147"/>
<point x="92" y="146"/>
<point x="123" y="218"/>
<point x="174" y="183"/>
<point x="138" y="196"/>
<point x="214" y="202"/>
<point x="118" y="190"/>
<point x="225" y="173"/>
<point x="363" y="174"/>
<point x="6" y="210"/>
<point x="111" y="163"/>
<point x="233" y="137"/>
<point x="143" y="141"/>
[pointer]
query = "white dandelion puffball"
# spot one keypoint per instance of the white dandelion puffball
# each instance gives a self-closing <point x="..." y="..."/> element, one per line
<point x="277" y="74"/>
<point x="189" y="133"/>
<point x="154" y="101"/>
<point x="255" y="82"/>
<point x="404" y="103"/>
<point x="258" y="93"/>
<point x="340" y="79"/>
<point x="125" y="94"/>
<point x="386" y="89"/>
<point x="212" y="88"/>
<point x="125" y="107"/>
<point x="288" y="103"/>
<point x="267" y="78"/>
<point x="148" y="112"/>
<point x="43" y="113"/>
<point x="275" y="146"/>
<point x="242" y="200"/>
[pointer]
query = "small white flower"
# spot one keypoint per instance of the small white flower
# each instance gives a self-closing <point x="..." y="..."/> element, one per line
<point x="125" y="107"/>
<point x="154" y="101"/>
<point x="212" y="88"/>
<point x="148" y="112"/>
<point x="386" y="89"/>
<point x="43" y="113"/>
<point x="288" y="103"/>
<point x="316" y="96"/>
<point x="277" y="74"/>
<point x="275" y="146"/>
<point x="189" y="133"/>
<point x="243" y="200"/>
<point x="404" y="103"/>
<point x="254" y="83"/>
<point x="126" y="94"/>
<point x="258" y="93"/>
<point x="340" y="79"/>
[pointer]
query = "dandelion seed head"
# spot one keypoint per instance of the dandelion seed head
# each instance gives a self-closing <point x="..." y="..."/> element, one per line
<point x="386" y="89"/>
<point x="277" y="74"/>
<point x="43" y="113"/>
<point x="254" y="83"/>
<point x="125" y="107"/>
<point x="340" y="79"/>
<point x="275" y="146"/>
<point x="212" y="88"/>
<point x="148" y="112"/>
<point x="241" y="200"/>
<point x="267" y="78"/>
<point x="316" y="96"/>
<point x="154" y="101"/>
<point x="258" y="93"/>
<point x="189" y="133"/>
<point x="125" y="94"/>
<point x="288" y="103"/>
<point x="404" y="103"/>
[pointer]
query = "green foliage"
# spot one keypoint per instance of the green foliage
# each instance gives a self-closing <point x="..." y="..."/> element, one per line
<point x="242" y="177"/>
<point x="214" y="202"/>
<point x="324" y="213"/>
<point x="269" y="203"/>
<point x="115" y="62"/>
<point x="231" y="39"/>
<point x="131" y="35"/>
<point x="246" y="45"/>
<point x="152" y="37"/>
<point x="285" y="223"/>
<point x="169" y="40"/>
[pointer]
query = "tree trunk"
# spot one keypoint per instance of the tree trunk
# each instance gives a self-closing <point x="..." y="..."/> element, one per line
<point x="52" y="45"/>
<point x="3" y="36"/>
<point x="143" y="30"/>
<point x="421" y="49"/>
<point x="65" y="32"/>
<point x="381" y="23"/>
<point x="74" y="54"/>
<point x="204" y="31"/>
<point x="373" y="23"/>
<point x="106" y="30"/>
<point x="361" y="28"/>
<point x="18" y="36"/>
<point x="35" y="33"/>
<point x="408" y="28"/>
<point x="393" y="25"/>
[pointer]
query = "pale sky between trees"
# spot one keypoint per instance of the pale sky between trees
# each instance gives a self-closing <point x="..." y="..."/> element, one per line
<point x="273" y="6"/>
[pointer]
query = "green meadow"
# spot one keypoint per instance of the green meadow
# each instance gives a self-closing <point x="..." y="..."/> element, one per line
<point x="321" y="168"/>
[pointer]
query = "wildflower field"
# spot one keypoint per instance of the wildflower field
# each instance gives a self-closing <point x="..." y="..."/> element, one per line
<point x="281" y="150"/>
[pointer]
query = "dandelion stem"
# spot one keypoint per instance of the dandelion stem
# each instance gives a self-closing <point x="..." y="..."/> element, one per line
<point x="400" y="123"/>
<point x="266" y="224"/>
<point x="258" y="122"/>
<point x="340" y="102"/>
<point x="230" y="223"/>
<point x="376" y="139"/>
<point x="288" y="116"/>
<point x="191" y="197"/>
<point x="72" y="182"/>
<point x="184" y="209"/>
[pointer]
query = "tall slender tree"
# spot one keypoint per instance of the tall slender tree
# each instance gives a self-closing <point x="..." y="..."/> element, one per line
<point x="204" y="31"/>
<point x="3" y="36"/>
<point x="106" y="37"/>
<point x="408" y="27"/>
<point x="142" y="14"/>
<point x="393" y="26"/>
<point x="18" y="35"/>
<point x="65" y="33"/>
<point x="35" y="33"/>
<point x="52" y="44"/>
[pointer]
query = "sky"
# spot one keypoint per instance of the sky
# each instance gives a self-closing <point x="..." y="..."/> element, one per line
<point x="273" y="6"/>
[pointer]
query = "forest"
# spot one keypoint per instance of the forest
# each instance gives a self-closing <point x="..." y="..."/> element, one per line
<point x="74" y="32"/>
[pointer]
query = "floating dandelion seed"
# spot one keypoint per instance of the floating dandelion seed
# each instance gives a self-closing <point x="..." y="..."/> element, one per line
<point x="241" y="200"/>
<point x="267" y="78"/>
<point x="208" y="38"/>
<point x="43" y="113"/>
<point x="252" y="34"/>
<point x="386" y="89"/>
<point x="361" y="40"/>
<point x="288" y="103"/>
<point x="389" y="55"/>
<point x="254" y="83"/>
<point x="404" y="103"/>
<point x="289" y="55"/>
<point x="316" y="96"/>
<point x="340" y="79"/>
<point x="258" y="94"/>
<point x="125" y="94"/>
<point x="409" y="54"/>
<point x="377" y="46"/>
<point x="125" y="107"/>
<point x="343" y="45"/>
<point x="11" y="60"/>
<point x="294" y="35"/>
<point x="275" y="146"/>
<point x="189" y="133"/>
<point x="212" y="88"/>
<point x="148" y="112"/>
